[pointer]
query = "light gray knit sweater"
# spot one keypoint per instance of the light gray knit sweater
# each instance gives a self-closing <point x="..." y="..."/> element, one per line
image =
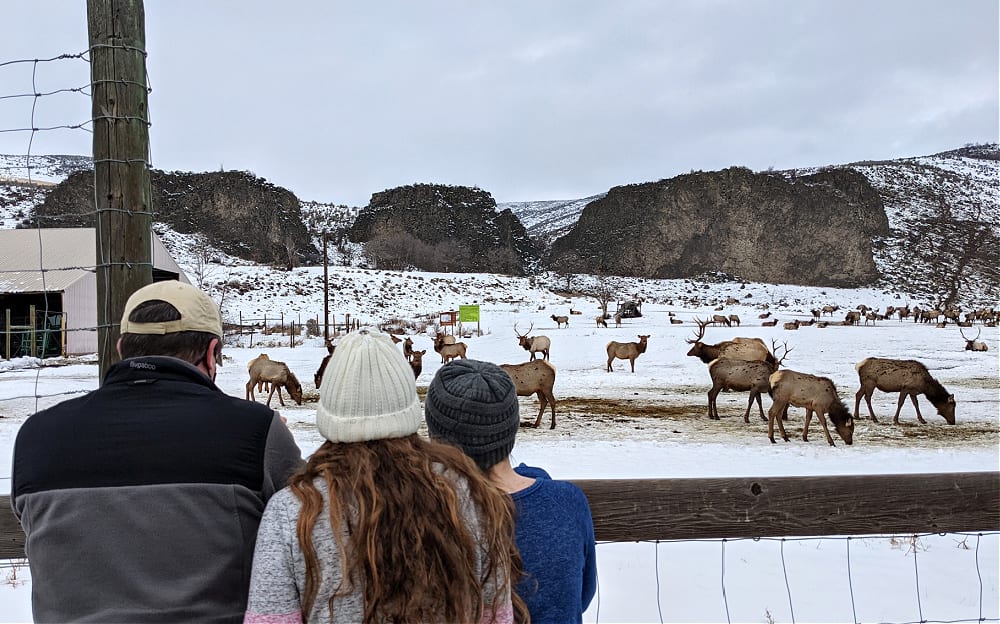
<point x="279" y="576"/>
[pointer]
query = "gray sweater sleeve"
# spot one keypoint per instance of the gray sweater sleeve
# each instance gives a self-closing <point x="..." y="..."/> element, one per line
<point x="274" y="595"/>
<point x="282" y="457"/>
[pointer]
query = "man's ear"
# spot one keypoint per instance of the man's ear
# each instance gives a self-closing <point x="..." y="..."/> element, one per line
<point x="211" y="362"/>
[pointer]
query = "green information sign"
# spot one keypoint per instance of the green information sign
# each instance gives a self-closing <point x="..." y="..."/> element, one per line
<point x="468" y="313"/>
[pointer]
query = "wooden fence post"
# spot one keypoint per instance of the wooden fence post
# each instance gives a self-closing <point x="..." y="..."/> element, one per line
<point x="120" y="117"/>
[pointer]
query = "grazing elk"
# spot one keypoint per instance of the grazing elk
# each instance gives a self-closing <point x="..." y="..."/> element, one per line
<point x="741" y="375"/>
<point x="626" y="351"/>
<point x="533" y="344"/>
<point x="536" y="378"/>
<point x="277" y="374"/>
<point x="318" y="377"/>
<point x="417" y="362"/>
<point x="601" y="321"/>
<point x="734" y="319"/>
<point x="560" y="321"/>
<point x="974" y="344"/>
<point x="718" y="319"/>
<point x="852" y="318"/>
<point x="907" y="377"/>
<point x="748" y="349"/>
<point x="815" y="394"/>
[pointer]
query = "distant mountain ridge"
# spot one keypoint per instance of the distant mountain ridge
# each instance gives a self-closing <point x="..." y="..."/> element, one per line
<point x="943" y="214"/>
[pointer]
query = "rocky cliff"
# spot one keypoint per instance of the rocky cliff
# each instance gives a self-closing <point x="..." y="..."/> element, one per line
<point x="438" y="227"/>
<point x="810" y="230"/>
<point x="239" y="213"/>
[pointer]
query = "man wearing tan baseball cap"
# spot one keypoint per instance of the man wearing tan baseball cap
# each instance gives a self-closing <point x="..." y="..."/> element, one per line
<point x="141" y="500"/>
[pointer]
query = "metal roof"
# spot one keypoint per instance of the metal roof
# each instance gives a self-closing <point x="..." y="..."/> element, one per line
<point x="60" y="255"/>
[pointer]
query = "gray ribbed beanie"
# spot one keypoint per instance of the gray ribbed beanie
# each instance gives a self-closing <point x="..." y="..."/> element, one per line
<point x="473" y="405"/>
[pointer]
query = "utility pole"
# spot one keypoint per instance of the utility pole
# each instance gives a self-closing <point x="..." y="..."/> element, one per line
<point x="326" y="293"/>
<point x="120" y="116"/>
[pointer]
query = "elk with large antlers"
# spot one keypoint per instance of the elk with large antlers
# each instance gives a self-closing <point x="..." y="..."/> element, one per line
<point x="626" y="351"/>
<point x="741" y="375"/>
<point x="533" y="344"/>
<point x="749" y="349"/>
<point x="815" y="394"/>
<point x="974" y="344"/>
<point x="908" y="378"/>
<point x="536" y="378"/>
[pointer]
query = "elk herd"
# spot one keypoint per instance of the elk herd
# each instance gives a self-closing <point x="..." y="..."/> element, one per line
<point x="743" y="364"/>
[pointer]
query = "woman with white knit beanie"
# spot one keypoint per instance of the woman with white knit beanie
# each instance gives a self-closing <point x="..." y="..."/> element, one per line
<point x="381" y="525"/>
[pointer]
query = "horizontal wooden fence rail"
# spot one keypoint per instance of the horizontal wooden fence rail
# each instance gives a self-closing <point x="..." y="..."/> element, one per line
<point x="627" y="510"/>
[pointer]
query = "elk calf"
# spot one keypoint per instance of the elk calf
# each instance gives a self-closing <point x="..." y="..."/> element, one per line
<point x="907" y="377"/>
<point x="626" y="351"/>
<point x="815" y="394"/>
<point x="278" y="375"/>
<point x="536" y="378"/>
<point x="408" y="349"/>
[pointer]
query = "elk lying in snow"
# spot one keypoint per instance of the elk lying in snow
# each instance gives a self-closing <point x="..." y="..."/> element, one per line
<point x="626" y="351"/>
<point x="770" y="323"/>
<point x="907" y="377"/>
<point x="748" y="349"/>
<point x="676" y="321"/>
<point x="560" y="321"/>
<point x="815" y="394"/>
<point x="318" y="377"/>
<point x="277" y="374"/>
<point x="262" y="386"/>
<point x="533" y="344"/>
<point x="537" y="378"/>
<point x="974" y="344"/>
<point x="792" y="325"/>
<point x="417" y="362"/>
<point x="601" y="321"/>
<point x="449" y="351"/>
<point x="741" y="375"/>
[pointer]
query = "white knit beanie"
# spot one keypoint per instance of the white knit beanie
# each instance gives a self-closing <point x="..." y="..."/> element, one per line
<point x="368" y="391"/>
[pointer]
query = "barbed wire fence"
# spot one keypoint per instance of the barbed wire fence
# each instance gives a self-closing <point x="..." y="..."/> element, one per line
<point x="14" y="170"/>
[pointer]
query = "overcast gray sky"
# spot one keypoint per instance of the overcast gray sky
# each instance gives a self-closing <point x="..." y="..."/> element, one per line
<point x="536" y="99"/>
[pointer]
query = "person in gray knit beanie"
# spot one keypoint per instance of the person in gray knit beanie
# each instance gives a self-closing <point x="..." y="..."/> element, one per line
<point x="473" y="405"/>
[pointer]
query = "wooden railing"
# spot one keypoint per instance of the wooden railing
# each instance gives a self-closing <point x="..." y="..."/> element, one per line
<point x="742" y="507"/>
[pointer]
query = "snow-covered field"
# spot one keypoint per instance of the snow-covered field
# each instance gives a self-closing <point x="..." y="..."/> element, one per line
<point x="652" y="423"/>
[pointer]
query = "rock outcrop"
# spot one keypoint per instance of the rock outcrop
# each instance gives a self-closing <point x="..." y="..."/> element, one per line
<point x="810" y="230"/>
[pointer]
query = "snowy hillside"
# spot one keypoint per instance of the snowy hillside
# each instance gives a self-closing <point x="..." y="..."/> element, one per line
<point x="548" y="220"/>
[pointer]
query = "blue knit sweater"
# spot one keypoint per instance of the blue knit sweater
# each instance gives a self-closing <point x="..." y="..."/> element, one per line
<point x="555" y="535"/>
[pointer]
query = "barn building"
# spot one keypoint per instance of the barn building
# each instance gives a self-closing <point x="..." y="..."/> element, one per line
<point x="48" y="290"/>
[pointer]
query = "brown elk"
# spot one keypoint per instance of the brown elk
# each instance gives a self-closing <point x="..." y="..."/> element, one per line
<point x="262" y="386"/>
<point x="560" y="321"/>
<point x="852" y="318"/>
<point x="626" y="351"/>
<point x="718" y="319"/>
<point x="734" y="319"/>
<point x="748" y="349"/>
<point x="974" y="344"/>
<point x="618" y="320"/>
<point x="395" y="340"/>
<point x="533" y="344"/>
<point x="536" y="378"/>
<point x="408" y="348"/>
<point x="449" y="351"/>
<point x="741" y="375"/>
<point x="764" y="315"/>
<point x="676" y="321"/>
<point x="278" y="375"/>
<point x="318" y="377"/>
<point x="417" y="362"/>
<point x="770" y="323"/>
<point x="908" y="378"/>
<point x="792" y="325"/>
<point x="829" y="309"/>
<point x="601" y="321"/>
<point x="815" y="394"/>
